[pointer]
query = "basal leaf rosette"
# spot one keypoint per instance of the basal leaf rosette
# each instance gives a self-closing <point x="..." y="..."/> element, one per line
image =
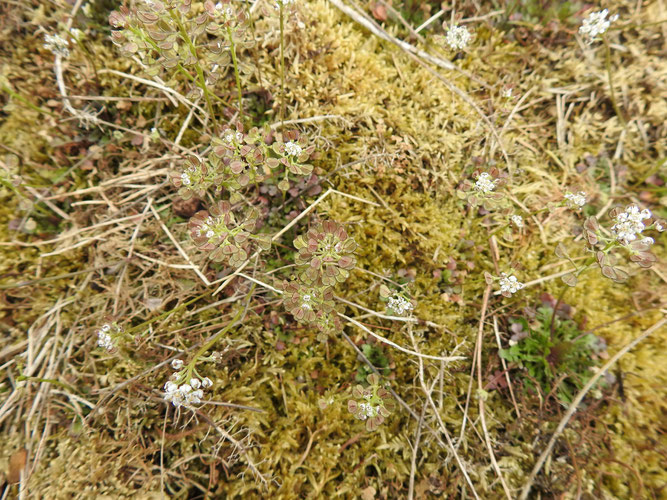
<point x="326" y="251"/>
<point x="307" y="303"/>
<point x="195" y="178"/>
<point x="220" y="233"/>
<point x="484" y="191"/>
<point x="238" y="157"/>
<point x="293" y="154"/>
<point x="372" y="404"/>
<point x="327" y="324"/>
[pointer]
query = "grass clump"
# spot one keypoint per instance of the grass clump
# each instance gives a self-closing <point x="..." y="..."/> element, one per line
<point x="554" y="353"/>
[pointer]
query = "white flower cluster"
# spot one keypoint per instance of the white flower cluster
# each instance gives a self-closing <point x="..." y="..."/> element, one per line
<point x="208" y="227"/>
<point x="306" y="302"/>
<point x="104" y="340"/>
<point x="227" y="12"/>
<point x="629" y="224"/>
<point x="56" y="44"/>
<point x="577" y="200"/>
<point x="509" y="284"/>
<point x="485" y="183"/>
<point x="187" y="394"/>
<point x="233" y="137"/>
<point x="458" y="37"/>
<point x="596" y="24"/>
<point x="367" y="411"/>
<point x="517" y="220"/>
<point x="284" y="3"/>
<point x="399" y="304"/>
<point x="293" y="149"/>
<point x="186" y="177"/>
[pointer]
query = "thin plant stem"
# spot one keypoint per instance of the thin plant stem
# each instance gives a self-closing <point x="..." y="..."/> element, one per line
<point x="198" y="68"/>
<point x="167" y="313"/>
<point x="612" y="94"/>
<point x="282" y="64"/>
<point x="25" y="101"/>
<point x="180" y="68"/>
<point x="232" y="49"/>
<point x="252" y="29"/>
<point x="91" y="60"/>
<point x="200" y="352"/>
<point x="212" y="341"/>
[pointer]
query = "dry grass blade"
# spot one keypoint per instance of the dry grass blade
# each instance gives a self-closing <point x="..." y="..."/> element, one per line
<point x="480" y="388"/>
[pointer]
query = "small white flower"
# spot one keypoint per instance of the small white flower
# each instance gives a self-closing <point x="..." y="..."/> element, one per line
<point x="284" y="3"/>
<point x="629" y="224"/>
<point x="596" y="24"/>
<point x="233" y="137"/>
<point x="183" y="395"/>
<point x="367" y="411"/>
<point x="577" y="200"/>
<point x="104" y="341"/>
<point x="76" y="33"/>
<point x="185" y="179"/>
<point x="210" y="234"/>
<point x="56" y="44"/>
<point x="293" y="149"/>
<point x="509" y="284"/>
<point x="105" y="336"/>
<point x="177" y="364"/>
<point x="306" y="302"/>
<point x="485" y="183"/>
<point x="195" y="382"/>
<point x="458" y="37"/>
<point x="399" y="304"/>
<point x="194" y="397"/>
<point x="507" y="93"/>
<point x="659" y="227"/>
<point x="206" y="383"/>
<point x="226" y="12"/>
<point x="517" y="220"/>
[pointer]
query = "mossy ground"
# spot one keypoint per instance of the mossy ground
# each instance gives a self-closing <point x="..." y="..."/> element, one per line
<point x="413" y="140"/>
